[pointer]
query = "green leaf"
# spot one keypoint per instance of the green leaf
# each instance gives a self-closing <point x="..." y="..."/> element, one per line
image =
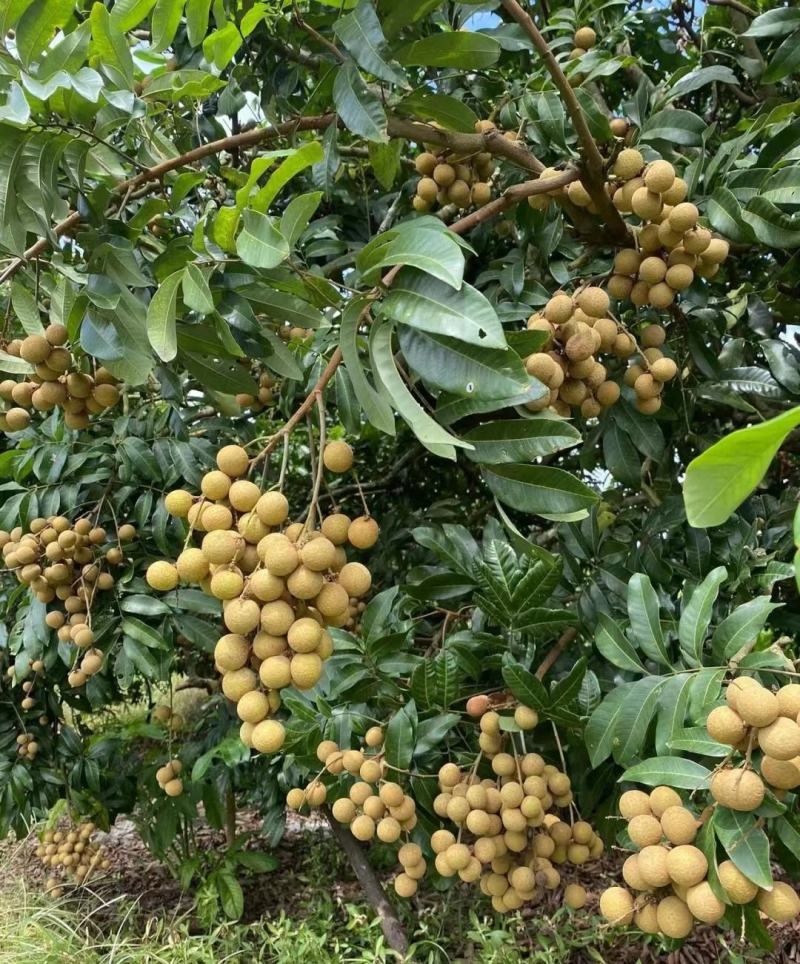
<point x="451" y="408"/>
<point x="360" y="110"/>
<point x="431" y="732"/>
<point x="621" y="457"/>
<point x="423" y="302"/>
<point x="197" y="12"/>
<point x="299" y="160"/>
<point x="540" y="490"/>
<point x="635" y="716"/>
<point x="36" y="27"/>
<point x="428" y="431"/>
<point x="613" y="644"/>
<point x="461" y="368"/>
<point x="770" y="225"/>
<point x="298" y="213"/>
<point x="643" y="610"/>
<point x="161" y="317"/>
<point x="672" y="771"/>
<point x="227" y="377"/>
<point x="449" y="112"/>
<point x="741" y="627"/>
<point x="26" y="309"/>
<point x="746" y="844"/>
<point x="461" y="48"/>
<point x="376" y="407"/>
<point x="434" y="252"/>
<point x="600" y="733"/>
<point x="774" y="23"/>
<point x="260" y="243"/>
<point x="230" y="894"/>
<point x="673" y="704"/>
<point x="725" y="216"/>
<point x="520" y="440"/>
<point x="14" y="365"/>
<point x="196" y="293"/>
<point x="785" y="61"/>
<point x="722" y="477"/>
<point x="701" y="77"/>
<point x="362" y="36"/>
<point x="695" y="740"/>
<point x="675" y="127"/>
<point x="164" y="23"/>
<point x="400" y="737"/>
<point x="524" y="685"/>
<point x="696" y="614"/>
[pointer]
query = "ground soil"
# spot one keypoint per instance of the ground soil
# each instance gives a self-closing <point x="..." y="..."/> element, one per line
<point x="137" y="877"/>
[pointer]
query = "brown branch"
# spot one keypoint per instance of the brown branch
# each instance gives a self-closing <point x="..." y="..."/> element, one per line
<point x="330" y="47"/>
<point x="594" y="172"/>
<point x="391" y="925"/>
<point x="564" y="641"/>
<point x="734" y="4"/>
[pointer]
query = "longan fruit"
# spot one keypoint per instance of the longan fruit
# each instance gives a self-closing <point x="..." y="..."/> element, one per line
<point x="594" y="301"/>
<point x="268" y="736"/>
<point x="363" y="532"/>
<point x="161" y="575"/>
<point x="683" y="217"/>
<point x="338" y="456"/>
<point x="652" y="270"/>
<point x="233" y="461"/>
<point x="628" y="164"/>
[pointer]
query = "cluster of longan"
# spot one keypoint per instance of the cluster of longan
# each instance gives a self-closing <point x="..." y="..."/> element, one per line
<point x="264" y="398"/>
<point x="165" y="714"/>
<point x="27" y="745"/>
<point x="671" y="248"/>
<point x="56" y="381"/>
<point x="669" y="874"/>
<point x="508" y="840"/>
<point x="63" y="564"/>
<point x="73" y="852"/>
<point x="584" y="39"/>
<point x="279" y="587"/>
<point x="649" y="372"/>
<point x="756" y="718"/>
<point x="578" y="330"/>
<point x="450" y="179"/>
<point x="289" y="332"/>
<point x="168" y="778"/>
<point x="369" y="766"/>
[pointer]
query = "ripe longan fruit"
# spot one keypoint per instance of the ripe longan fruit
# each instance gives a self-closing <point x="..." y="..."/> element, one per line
<point x="276" y="617"/>
<point x="208" y="517"/>
<point x="789" y="700"/>
<point x="661" y="798"/>
<point x="558" y="309"/>
<point x="704" y="903"/>
<point x="215" y="485"/>
<point x="781" y="774"/>
<point x="363" y="532"/>
<point x="738" y="789"/>
<point x="306" y="670"/>
<point x="616" y="905"/>
<point x="679" y="277"/>
<point x="304" y="635"/>
<point x="652" y="270"/>
<point x="674" y="917"/>
<point x="737" y="686"/>
<point x="644" y="830"/>
<point x="227" y="584"/>
<point x="679" y="825"/>
<point x="253" y="707"/>
<point x="338" y="456"/>
<point x="444" y="175"/>
<point x="272" y="508"/>
<point x="231" y="652"/>
<point x="735" y="884"/>
<point x="238" y="682"/>
<point x="628" y="164"/>
<point x="646" y="204"/>
<point x="634" y="802"/>
<point x="781" y="904"/>
<point x="594" y="301"/>
<point x="334" y="527"/>
<point x="221" y="546"/>
<point x="355" y="579"/>
<point x="278" y="554"/>
<point x="780" y="739"/>
<point x="304" y="583"/>
<point x="757" y="706"/>
<point x="266" y="586"/>
<point x="663" y="369"/>
<point x="161" y="575"/>
<point x="683" y="217"/>
<point x="242" y="616"/>
<point x="687" y="865"/>
<point x="268" y="736"/>
<point x="425" y="163"/>
<point x="659" y="176"/>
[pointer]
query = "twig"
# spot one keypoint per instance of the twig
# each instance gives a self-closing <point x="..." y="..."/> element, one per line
<point x="330" y="47"/>
<point x="734" y="4"/>
<point x="320" y="467"/>
<point x="564" y="641"/>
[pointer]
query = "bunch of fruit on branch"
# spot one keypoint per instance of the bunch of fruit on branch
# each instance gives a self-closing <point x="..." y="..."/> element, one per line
<point x="264" y="398"/>
<point x="167" y="716"/>
<point x="449" y="178"/>
<point x="579" y="332"/>
<point x="56" y="380"/>
<point x="67" y="565"/>
<point x="756" y="719"/>
<point x="71" y="852"/>
<point x="583" y="40"/>
<point x="501" y="831"/>
<point x="168" y="778"/>
<point x="281" y="583"/>
<point x="669" y="887"/>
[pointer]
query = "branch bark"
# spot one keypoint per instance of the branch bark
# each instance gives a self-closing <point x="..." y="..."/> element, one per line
<point x="391" y="925"/>
<point x="549" y="661"/>
<point x="594" y="165"/>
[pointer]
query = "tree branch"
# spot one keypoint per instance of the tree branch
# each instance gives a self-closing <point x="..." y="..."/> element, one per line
<point x="734" y="4"/>
<point x="594" y="178"/>
<point x="564" y="641"/>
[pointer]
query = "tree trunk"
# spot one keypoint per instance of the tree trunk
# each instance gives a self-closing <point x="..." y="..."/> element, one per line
<point x="392" y="928"/>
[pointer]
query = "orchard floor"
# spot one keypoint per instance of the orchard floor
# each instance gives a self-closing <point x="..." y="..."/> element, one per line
<point x="310" y="911"/>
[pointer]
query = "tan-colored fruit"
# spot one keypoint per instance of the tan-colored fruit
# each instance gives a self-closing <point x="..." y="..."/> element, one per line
<point x="227" y="584"/>
<point x="645" y="830"/>
<point x="652" y="866"/>
<point x="659" y="176"/>
<point x="215" y="485"/>
<point x="405" y="886"/>
<point x="757" y="706"/>
<point x="594" y="301"/>
<point x="295" y="798"/>
<point x="233" y="460"/>
<point x="674" y="917"/>
<point x="661" y="295"/>
<point x="646" y="919"/>
<point x="242" y="615"/>
<point x="616" y="905"/>
<point x="735" y="884"/>
<point x="687" y="865"/>
<point x="632" y="875"/>
<point x="661" y="798"/>
<point x="334" y="527"/>
<point x="161" y="575"/>
<point x="789" y="700"/>
<point x="558" y="309"/>
<point x="738" y="789"/>
<point x="652" y="270"/>
<point x="338" y="456"/>
<point x="363" y="828"/>
<point x="781" y="739"/>
<point x="304" y="583"/>
<point x="781" y="774"/>
<point x="306" y="670"/>
<point x="332" y="600"/>
<point x="244" y="495"/>
<point x="272" y="508"/>
<point x="208" y="517"/>
<point x="277" y="617"/>
<point x="268" y="736"/>
<point x="174" y="788"/>
<point x="725" y="726"/>
<point x="265" y="586"/>
<point x="238" y="682"/>
<point x="304" y="635"/>
<point x="318" y="554"/>
<point x="574" y="896"/>
<point x="683" y="217"/>
<point x="585" y="38"/>
<point x="628" y="164"/>
<point x="231" y="652"/>
<point x="355" y="579"/>
<point x="363" y="532"/>
<point x="780" y="904"/>
<point x="679" y="825"/>
<point x="679" y="277"/>
<point x="663" y="369"/>
<point x="646" y="204"/>
<point x="526" y="718"/>
<point x="481" y="193"/>
<point x="634" y="802"/>
<point x="425" y="163"/>
<point x="736" y="687"/>
<point x="253" y="707"/>
<point x="704" y="903"/>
